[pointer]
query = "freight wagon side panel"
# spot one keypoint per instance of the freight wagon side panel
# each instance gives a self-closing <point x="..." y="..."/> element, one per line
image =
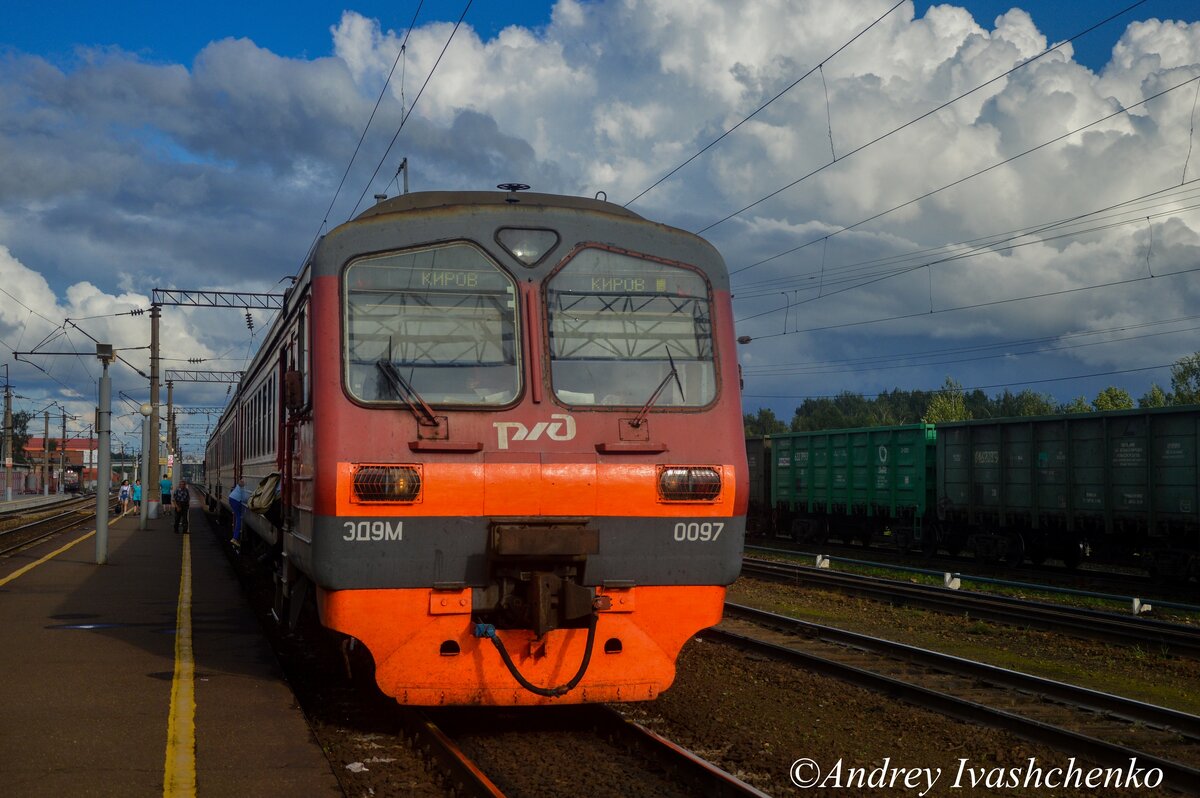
<point x="1175" y="461"/>
<point x="870" y="472"/>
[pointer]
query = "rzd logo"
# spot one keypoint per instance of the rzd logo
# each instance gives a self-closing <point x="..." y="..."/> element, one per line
<point x="563" y="430"/>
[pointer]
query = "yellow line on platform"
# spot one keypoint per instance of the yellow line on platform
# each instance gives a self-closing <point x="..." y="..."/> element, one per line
<point x="179" y="776"/>
<point x="50" y="556"/>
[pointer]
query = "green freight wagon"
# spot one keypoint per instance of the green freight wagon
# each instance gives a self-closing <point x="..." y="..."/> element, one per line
<point x="867" y="485"/>
<point x="1119" y="485"/>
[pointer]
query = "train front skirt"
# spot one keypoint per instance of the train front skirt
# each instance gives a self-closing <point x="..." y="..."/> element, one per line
<point x="427" y="653"/>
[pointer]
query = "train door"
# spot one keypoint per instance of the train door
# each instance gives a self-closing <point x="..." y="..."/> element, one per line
<point x="295" y="427"/>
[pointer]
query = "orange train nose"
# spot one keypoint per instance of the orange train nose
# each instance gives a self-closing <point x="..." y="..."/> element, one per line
<point x="426" y="653"/>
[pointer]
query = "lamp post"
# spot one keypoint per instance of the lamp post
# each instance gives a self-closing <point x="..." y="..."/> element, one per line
<point x="104" y="469"/>
<point x="8" y="436"/>
<point x="146" y="410"/>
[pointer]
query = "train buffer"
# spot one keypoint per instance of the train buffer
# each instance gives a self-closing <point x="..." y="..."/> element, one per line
<point x="148" y="675"/>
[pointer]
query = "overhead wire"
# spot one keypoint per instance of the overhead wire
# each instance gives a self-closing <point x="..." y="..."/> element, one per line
<point x="378" y="101"/>
<point x="925" y="313"/>
<point x="985" y="170"/>
<point x="1008" y="160"/>
<point x="923" y="116"/>
<point x="412" y="107"/>
<point x="860" y="282"/>
<point x="995" y="242"/>
<point x="756" y="111"/>
<point x="1111" y="373"/>
<point x="923" y="360"/>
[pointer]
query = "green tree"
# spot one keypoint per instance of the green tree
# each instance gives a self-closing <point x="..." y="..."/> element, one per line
<point x="948" y="404"/>
<point x="978" y="404"/>
<point x="1029" y="403"/>
<point x="1113" y="398"/>
<point x="1185" y="380"/>
<point x="1155" y="397"/>
<point x="20" y="421"/>
<point x="817" y="414"/>
<point x="1077" y="405"/>
<point x="762" y="423"/>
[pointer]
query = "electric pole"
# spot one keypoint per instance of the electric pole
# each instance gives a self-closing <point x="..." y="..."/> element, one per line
<point x="8" y="437"/>
<point x="152" y="469"/>
<point x="62" y="457"/>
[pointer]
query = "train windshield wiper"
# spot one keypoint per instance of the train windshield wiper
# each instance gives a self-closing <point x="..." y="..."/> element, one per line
<point x="406" y="393"/>
<point x="641" y="416"/>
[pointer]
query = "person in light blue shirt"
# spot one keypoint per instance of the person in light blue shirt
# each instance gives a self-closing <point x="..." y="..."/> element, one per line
<point x="165" y="487"/>
<point x="237" y="502"/>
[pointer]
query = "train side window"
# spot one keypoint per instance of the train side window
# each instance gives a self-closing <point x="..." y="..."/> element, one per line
<point x="619" y="324"/>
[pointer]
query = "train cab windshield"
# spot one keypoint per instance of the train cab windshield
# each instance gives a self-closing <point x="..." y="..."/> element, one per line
<point x="620" y="325"/>
<point x="442" y="318"/>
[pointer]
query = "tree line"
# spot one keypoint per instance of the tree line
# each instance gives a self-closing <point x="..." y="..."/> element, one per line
<point x="952" y="403"/>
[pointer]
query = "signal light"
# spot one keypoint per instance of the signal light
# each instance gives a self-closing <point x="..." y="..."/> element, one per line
<point x="387" y="483"/>
<point x="688" y="484"/>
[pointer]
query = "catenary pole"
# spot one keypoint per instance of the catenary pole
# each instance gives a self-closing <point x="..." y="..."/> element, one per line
<point x="104" y="469"/>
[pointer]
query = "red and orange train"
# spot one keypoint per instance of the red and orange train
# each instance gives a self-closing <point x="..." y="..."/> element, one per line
<point x="500" y="438"/>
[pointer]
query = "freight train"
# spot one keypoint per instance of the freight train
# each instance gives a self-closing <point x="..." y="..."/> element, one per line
<point x="1118" y="487"/>
<point x="471" y="435"/>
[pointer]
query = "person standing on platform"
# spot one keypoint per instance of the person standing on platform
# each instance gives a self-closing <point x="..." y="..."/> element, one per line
<point x="237" y="502"/>
<point x="182" y="498"/>
<point x="123" y="496"/>
<point x="136" y="493"/>
<point x="165" y="487"/>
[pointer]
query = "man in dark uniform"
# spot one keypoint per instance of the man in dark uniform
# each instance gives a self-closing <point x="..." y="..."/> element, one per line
<point x="180" y="500"/>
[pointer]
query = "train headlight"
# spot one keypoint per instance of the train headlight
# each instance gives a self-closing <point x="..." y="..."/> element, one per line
<point x="387" y="483"/>
<point x="688" y="483"/>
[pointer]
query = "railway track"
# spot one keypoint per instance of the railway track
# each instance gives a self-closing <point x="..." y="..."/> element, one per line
<point x="1105" y="729"/>
<point x="1089" y="624"/>
<point x="66" y="515"/>
<point x="598" y="746"/>
<point x="1089" y="577"/>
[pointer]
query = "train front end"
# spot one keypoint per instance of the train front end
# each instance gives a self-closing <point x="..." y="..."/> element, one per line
<point x="527" y="483"/>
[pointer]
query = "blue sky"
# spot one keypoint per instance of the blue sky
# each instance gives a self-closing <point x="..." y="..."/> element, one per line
<point x="199" y="146"/>
<point x="177" y="31"/>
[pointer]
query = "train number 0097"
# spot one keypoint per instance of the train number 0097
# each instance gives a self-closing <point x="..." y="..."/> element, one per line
<point x="705" y="532"/>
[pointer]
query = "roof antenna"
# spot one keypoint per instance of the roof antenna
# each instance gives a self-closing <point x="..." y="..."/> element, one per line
<point x="512" y="189"/>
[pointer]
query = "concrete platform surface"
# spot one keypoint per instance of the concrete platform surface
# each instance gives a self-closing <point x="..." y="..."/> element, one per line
<point x="100" y="665"/>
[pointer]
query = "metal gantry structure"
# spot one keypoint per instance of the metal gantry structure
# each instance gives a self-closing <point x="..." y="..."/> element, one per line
<point x="193" y="298"/>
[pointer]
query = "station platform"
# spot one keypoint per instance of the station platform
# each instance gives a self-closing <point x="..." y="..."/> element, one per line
<point x="32" y="501"/>
<point x="147" y="675"/>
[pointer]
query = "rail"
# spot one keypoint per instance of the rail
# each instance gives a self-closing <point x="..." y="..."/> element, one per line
<point x="1176" y="775"/>
<point x="1091" y="624"/>
<point x="983" y="580"/>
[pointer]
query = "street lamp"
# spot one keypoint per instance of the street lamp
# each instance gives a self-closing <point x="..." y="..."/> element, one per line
<point x="146" y="409"/>
<point x="104" y="471"/>
<point x="8" y="437"/>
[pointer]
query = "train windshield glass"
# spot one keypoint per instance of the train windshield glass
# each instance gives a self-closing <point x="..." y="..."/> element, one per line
<point x="620" y="324"/>
<point x="445" y="320"/>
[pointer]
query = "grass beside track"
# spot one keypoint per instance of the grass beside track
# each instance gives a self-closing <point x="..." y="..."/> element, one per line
<point x="1134" y="672"/>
